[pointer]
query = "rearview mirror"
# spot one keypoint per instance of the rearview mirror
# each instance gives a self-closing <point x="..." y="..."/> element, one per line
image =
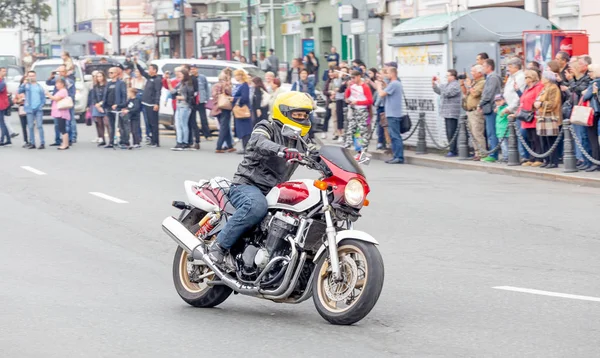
<point x="88" y="78"/>
<point x="291" y="132"/>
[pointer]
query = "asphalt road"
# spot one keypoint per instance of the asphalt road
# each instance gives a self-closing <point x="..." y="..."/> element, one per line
<point x="82" y="276"/>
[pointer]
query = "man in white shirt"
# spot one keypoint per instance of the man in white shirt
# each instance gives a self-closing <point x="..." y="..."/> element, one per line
<point x="515" y="82"/>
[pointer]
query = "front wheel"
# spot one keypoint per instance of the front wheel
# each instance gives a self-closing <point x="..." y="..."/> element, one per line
<point x="350" y="300"/>
<point x="191" y="282"/>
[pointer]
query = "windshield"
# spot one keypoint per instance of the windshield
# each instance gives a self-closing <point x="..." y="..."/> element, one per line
<point x="43" y="72"/>
<point x="8" y="61"/>
<point x="342" y="158"/>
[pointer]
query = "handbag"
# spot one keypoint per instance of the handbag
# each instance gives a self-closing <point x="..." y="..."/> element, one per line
<point x="405" y="122"/>
<point x="583" y="114"/>
<point x="546" y="126"/>
<point x="223" y="102"/>
<point x="65" y="103"/>
<point x="524" y="115"/>
<point x="210" y="104"/>
<point x="241" y="112"/>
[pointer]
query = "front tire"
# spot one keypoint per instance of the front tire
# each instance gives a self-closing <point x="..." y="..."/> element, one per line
<point x="349" y="301"/>
<point x="194" y="293"/>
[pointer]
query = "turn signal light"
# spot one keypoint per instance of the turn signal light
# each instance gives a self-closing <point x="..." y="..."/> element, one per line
<point x="366" y="202"/>
<point x="320" y="185"/>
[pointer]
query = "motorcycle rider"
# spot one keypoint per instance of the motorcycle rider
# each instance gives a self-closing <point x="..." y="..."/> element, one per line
<point x="263" y="168"/>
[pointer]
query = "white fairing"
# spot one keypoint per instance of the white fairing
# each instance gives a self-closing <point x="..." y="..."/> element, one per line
<point x="194" y="199"/>
<point x="314" y="197"/>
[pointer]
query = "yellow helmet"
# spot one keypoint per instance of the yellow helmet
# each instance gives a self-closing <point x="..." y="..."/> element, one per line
<point x="294" y="108"/>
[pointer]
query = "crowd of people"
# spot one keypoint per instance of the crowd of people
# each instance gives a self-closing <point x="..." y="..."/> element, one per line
<point x="539" y="98"/>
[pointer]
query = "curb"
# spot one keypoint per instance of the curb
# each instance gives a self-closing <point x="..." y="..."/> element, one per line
<point x="434" y="161"/>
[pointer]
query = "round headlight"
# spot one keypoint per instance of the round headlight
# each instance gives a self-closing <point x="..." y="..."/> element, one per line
<point x="354" y="193"/>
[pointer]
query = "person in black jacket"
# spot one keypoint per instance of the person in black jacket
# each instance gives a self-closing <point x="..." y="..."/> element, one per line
<point x="115" y="96"/>
<point x="151" y="99"/>
<point x="258" y="112"/>
<point x="130" y="121"/>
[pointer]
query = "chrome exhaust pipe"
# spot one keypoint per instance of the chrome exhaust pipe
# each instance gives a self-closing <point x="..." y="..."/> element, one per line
<point x="191" y="244"/>
<point x="288" y="273"/>
<point x="292" y="284"/>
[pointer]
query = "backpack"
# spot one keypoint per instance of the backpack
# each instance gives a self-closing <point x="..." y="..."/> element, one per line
<point x="266" y="98"/>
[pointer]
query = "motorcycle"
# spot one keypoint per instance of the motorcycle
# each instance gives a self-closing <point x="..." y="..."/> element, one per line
<point x="305" y="246"/>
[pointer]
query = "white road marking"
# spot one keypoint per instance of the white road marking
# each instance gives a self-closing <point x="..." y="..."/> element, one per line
<point x="108" y="197"/>
<point x="33" y="170"/>
<point x="548" y="293"/>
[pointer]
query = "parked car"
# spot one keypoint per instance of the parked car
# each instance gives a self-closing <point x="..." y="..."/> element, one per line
<point x="83" y="83"/>
<point x="14" y="74"/>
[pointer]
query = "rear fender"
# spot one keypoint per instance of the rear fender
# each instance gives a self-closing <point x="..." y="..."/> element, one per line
<point x="347" y="234"/>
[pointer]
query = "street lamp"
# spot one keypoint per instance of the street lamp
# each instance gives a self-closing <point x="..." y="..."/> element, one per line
<point x="116" y="24"/>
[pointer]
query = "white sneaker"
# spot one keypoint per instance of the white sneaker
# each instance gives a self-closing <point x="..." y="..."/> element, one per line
<point x="324" y="136"/>
<point x="340" y="140"/>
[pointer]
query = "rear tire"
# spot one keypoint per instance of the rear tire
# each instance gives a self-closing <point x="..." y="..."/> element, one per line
<point x="194" y="294"/>
<point x="362" y="274"/>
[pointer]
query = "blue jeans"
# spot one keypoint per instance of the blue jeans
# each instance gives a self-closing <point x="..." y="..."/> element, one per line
<point x="224" y="130"/>
<point x="490" y="129"/>
<point x="380" y="130"/>
<point x="72" y="127"/>
<point x="4" y="135"/>
<point x="397" y="143"/>
<point x="36" y="118"/>
<point x="182" y="129"/>
<point x="581" y="132"/>
<point x="504" y="147"/>
<point x="251" y="207"/>
<point x="523" y="153"/>
<point x="57" y="139"/>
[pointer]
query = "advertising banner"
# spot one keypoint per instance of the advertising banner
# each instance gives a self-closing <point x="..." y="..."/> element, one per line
<point x="213" y="37"/>
<point x="134" y="28"/>
<point x="308" y="45"/>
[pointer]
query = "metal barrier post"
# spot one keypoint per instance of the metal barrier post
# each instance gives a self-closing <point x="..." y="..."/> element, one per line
<point x="421" y="138"/>
<point x="513" y="148"/>
<point x="463" y="139"/>
<point x="569" y="158"/>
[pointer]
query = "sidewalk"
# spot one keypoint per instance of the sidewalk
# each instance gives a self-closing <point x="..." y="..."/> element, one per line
<point x="436" y="160"/>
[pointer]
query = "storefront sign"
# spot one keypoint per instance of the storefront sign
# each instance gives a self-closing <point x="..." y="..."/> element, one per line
<point x="213" y="37"/>
<point x="291" y="27"/>
<point x="84" y="26"/>
<point x="308" y="18"/>
<point x="135" y="28"/>
<point x="290" y="11"/>
<point x="308" y="45"/>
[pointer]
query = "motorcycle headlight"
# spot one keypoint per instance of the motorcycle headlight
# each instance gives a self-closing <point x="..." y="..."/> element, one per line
<point x="354" y="193"/>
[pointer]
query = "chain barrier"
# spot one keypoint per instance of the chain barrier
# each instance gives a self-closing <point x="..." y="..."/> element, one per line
<point x="532" y="152"/>
<point x="581" y="148"/>
<point x="435" y="143"/>
<point x="485" y="152"/>
<point x="413" y="131"/>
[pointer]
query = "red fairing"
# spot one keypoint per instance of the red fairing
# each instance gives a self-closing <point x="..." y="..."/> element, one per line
<point x="292" y="193"/>
<point x="340" y="179"/>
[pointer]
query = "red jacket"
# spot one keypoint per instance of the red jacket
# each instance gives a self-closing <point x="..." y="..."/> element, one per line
<point x="527" y="99"/>
<point x="3" y="96"/>
<point x="366" y="91"/>
<point x="174" y="83"/>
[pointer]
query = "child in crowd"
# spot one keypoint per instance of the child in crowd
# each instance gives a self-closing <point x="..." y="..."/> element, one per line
<point x="502" y="125"/>
<point x="130" y="121"/>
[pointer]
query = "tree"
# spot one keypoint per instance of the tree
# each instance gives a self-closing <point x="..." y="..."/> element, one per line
<point x="23" y="13"/>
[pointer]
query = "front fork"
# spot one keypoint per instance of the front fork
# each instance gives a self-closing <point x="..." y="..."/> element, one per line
<point x="331" y="238"/>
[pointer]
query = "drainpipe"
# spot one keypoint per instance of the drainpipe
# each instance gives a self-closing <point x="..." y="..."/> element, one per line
<point x="545" y="8"/>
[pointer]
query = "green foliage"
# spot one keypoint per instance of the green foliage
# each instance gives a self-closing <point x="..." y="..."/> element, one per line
<point x="23" y="13"/>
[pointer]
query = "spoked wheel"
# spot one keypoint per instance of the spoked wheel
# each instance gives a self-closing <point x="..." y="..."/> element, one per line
<point x="349" y="300"/>
<point x="191" y="282"/>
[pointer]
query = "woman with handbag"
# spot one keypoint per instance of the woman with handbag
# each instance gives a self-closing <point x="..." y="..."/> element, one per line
<point x="241" y="108"/>
<point x="221" y="92"/>
<point x="591" y="94"/>
<point x="61" y="110"/>
<point x="183" y="93"/>
<point x="526" y="114"/>
<point x="549" y="117"/>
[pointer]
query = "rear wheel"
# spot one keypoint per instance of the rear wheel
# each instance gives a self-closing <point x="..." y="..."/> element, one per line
<point x="348" y="301"/>
<point x="191" y="282"/>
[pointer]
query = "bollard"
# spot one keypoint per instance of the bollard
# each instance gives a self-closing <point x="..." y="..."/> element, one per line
<point x="513" y="145"/>
<point x="421" y="139"/>
<point x="569" y="158"/>
<point x="463" y="139"/>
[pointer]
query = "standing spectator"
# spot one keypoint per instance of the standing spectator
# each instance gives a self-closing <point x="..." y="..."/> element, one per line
<point x="273" y="63"/>
<point x="579" y="81"/>
<point x="502" y="125"/>
<point x="98" y="112"/>
<point x="35" y="98"/>
<point x="61" y="115"/>
<point x="394" y="103"/>
<point x="535" y="66"/>
<point x="68" y="62"/>
<point x="340" y="84"/>
<point x="563" y="59"/>
<point x="115" y="96"/>
<point x="333" y="58"/>
<point x="549" y="115"/>
<point x="481" y="57"/>
<point x="69" y="79"/>
<point x="269" y="77"/>
<point x="293" y="73"/>
<point x="139" y="83"/>
<point x="304" y="84"/>
<point x="4" y="135"/>
<point x="382" y="124"/>
<point x="241" y="97"/>
<point x="203" y="89"/>
<point x="263" y="63"/>
<point x="276" y="90"/>
<point x="591" y="94"/>
<point x="259" y="112"/>
<point x="223" y="87"/>
<point x="311" y="63"/>
<point x="131" y="120"/>
<point x="450" y="106"/>
<point x="493" y="86"/>
<point x="19" y="100"/>
<point x="243" y="59"/>
<point x="358" y="95"/>
<point x="186" y="99"/>
<point x="472" y="98"/>
<point x="528" y="98"/>
<point x="329" y="101"/>
<point x="237" y="55"/>
<point x="151" y="99"/>
<point x="254" y="60"/>
<point x="515" y="85"/>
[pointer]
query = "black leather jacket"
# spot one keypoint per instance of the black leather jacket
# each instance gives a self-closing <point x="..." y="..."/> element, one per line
<point x="261" y="166"/>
